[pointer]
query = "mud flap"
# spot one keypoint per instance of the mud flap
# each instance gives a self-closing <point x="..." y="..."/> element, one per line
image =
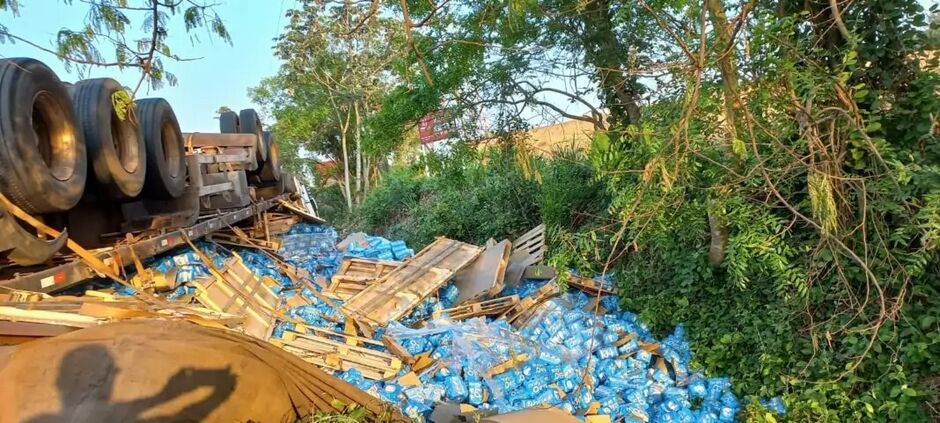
<point x="23" y="247"/>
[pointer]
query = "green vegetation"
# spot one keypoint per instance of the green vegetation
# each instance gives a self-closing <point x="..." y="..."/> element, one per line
<point x="108" y="37"/>
<point x="766" y="172"/>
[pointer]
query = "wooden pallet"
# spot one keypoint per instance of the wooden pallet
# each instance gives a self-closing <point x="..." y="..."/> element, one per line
<point x="235" y="289"/>
<point x="400" y="291"/>
<point x="527" y="250"/>
<point x="239" y="238"/>
<point x="482" y="308"/>
<point x="484" y="277"/>
<point x="355" y="274"/>
<point x="325" y="352"/>
<point x="588" y="285"/>
<point x="273" y="224"/>
<point x="520" y="314"/>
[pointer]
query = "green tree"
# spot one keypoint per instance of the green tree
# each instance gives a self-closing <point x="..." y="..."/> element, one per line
<point x="108" y="37"/>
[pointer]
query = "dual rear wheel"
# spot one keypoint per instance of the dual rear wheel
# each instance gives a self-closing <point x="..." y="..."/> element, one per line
<point x="55" y="137"/>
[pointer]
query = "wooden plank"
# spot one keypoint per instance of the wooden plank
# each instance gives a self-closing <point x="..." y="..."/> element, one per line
<point x="335" y="355"/>
<point x="355" y="274"/>
<point x="527" y="250"/>
<point x="236" y="290"/>
<point x="58" y="318"/>
<point x="484" y="277"/>
<point x="397" y="350"/>
<point x="588" y="285"/>
<point x="523" y="311"/>
<point x="397" y="293"/>
<point x="32" y="330"/>
<point x="482" y="308"/>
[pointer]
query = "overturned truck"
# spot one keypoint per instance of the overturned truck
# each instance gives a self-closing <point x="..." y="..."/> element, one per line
<point x="91" y="165"/>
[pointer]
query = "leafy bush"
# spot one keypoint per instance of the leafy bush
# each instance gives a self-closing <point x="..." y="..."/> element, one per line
<point x="468" y="195"/>
<point x="572" y="194"/>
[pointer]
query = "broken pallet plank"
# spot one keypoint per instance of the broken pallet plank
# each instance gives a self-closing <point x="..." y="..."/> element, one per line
<point x="527" y="250"/>
<point x="482" y="308"/>
<point x="519" y="314"/>
<point x="336" y="355"/>
<point x="401" y="290"/>
<point x="235" y="289"/>
<point x="484" y="276"/>
<point x="588" y="285"/>
<point x="355" y="274"/>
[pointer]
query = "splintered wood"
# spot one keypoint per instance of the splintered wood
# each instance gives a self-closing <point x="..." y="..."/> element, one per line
<point x="484" y="277"/>
<point x="339" y="354"/>
<point x="527" y="250"/>
<point x="355" y="274"/>
<point x="400" y="291"/>
<point x="519" y="314"/>
<point x="482" y="308"/>
<point x="235" y="289"/>
<point x="24" y="321"/>
<point x="588" y="285"/>
<point x="239" y="238"/>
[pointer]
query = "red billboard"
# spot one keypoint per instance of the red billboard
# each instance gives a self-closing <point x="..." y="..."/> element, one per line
<point x="433" y="127"/>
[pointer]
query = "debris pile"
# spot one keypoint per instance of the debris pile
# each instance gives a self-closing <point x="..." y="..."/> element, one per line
<point x="486" y="327"/>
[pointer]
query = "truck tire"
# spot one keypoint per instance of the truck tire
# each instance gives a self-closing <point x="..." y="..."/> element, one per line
<point x="116" y="151"/>
<point x="228" y="122"/>
<point x="271" y="169"/>
<point x="250" y="123"/>
<point x="166" y="160"/>
<point x="43" y="167"/>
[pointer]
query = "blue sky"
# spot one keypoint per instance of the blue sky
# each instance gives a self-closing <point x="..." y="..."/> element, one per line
<point x="222" y="77"/>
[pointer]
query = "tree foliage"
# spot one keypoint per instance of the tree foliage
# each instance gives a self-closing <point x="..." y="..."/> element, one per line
<point x="108" y="38"/>
<point x="770" y="176"/>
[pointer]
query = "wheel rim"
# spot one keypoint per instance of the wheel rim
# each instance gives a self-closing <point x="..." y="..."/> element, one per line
<point x="171" y="143"/>
<point x="55" y="137"/>
<point x="124" y="137"/>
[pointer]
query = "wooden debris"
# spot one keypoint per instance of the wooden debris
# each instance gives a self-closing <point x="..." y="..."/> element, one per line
<point x="483" y="278"/>
<point x="300" y="212"/>
<point x="400" y="291"/>
<point x="16" y="295"/>
<point x="55" y="318"/>
<point x="650" y="347"/>
<point x="355" y="274"/>
<point x="58" y="315"/>
<point x="527" y="250"/>
<point x="273" y="224"/>
<point x="626" y="338"/>
<point x="345" y="338"/>
<point x="14" y="333"/>
<point x="325" y="352"/>
<point x="409" y="379"/>
<point x="422" y="361"/>
<point x="523" y="311"/>
<point x="588" y="285"/>
<point x="397" y="350"/>
<point x="236" y="289"/>
<point x="234" y="239"/>
<point x="514" y="361"/>
<point x="483" y="308"/>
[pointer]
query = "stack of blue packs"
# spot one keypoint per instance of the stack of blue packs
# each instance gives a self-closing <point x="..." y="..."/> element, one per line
<point x="564" y="356"/>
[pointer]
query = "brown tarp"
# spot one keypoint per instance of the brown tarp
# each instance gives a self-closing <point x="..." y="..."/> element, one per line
<point x="163" y="371"/>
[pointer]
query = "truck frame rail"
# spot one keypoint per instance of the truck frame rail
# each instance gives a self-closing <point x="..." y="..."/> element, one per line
<point x="48" y="279"/>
